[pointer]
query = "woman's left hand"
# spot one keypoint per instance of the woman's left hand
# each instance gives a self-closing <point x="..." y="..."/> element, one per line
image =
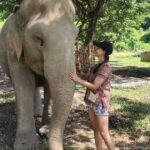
<point x="74" y="77"/>
<point x="105" y="105"/>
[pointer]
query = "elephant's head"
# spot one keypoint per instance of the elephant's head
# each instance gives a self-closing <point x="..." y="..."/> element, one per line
<point x="41" y="30"/>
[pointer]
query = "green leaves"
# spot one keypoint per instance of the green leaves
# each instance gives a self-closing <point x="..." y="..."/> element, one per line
<point x="6" y="8"/>
<point x="117" y="20"/>
<point x="122" y="23"/>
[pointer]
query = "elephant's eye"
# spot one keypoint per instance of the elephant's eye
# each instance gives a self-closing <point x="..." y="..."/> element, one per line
<point x="39" y="40"/>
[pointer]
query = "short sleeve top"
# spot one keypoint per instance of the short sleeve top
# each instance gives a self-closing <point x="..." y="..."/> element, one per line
<point x="104" y="71"/>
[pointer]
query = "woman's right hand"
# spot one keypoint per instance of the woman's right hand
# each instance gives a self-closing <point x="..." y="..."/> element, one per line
<point x="74" y="77"/>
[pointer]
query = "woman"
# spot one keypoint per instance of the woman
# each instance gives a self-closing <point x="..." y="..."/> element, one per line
<point x="98" y="81"/>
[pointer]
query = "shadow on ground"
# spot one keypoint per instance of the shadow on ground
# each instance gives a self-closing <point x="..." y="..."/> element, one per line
<point x="7" y="124"/>
<point x="132" y="71"/>
<point x="78" y="131"/>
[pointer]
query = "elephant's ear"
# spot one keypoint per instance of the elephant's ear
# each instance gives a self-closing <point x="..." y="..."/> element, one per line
<point x="15" y="39"/>
<point x="72" y="9"/>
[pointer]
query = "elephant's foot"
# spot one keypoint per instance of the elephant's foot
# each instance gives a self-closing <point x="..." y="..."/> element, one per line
<point x="44" y="130"/>
<point x="38" y="121"/>
<point x="25" y="143"/>
<point x="55" y="143"/>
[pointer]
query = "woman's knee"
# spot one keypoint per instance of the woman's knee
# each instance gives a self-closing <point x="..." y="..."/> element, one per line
<point x="104" y="134"/>
<point x="95" y="130"/>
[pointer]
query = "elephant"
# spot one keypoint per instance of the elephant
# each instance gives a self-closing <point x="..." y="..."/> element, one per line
<point x="38" y="39"/>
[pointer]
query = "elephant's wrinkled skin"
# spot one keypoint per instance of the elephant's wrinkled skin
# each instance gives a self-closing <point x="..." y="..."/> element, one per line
<point x="39" y="38"/>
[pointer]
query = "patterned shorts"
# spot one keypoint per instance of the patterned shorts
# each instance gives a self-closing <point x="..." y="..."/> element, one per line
<point x="98" y="110"/>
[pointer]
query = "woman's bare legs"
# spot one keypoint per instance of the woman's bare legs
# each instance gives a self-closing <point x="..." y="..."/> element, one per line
<point x="97" y="136"/>
<point x="103" y="127"/>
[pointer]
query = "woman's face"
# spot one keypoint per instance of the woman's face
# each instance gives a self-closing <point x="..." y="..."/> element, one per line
<point x="99" y="52"/>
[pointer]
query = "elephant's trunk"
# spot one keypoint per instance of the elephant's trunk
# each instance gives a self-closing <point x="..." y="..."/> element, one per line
<point x="62" y="90"/>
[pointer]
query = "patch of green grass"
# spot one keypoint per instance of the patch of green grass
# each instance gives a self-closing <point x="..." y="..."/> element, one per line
<point x="7" y="97"/>
<point x="137" y="94"/>
<point x="127" y="59"/>
<point x="132" y="105"/>
<point x="7" y="148"/>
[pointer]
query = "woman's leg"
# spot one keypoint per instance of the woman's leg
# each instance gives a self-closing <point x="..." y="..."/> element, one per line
<point x="97" y="136"/>
<point x="102" y="124"/>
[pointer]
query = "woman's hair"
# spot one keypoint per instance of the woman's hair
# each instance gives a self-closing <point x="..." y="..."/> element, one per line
<point x="106" y="46"/>
<point x="106" y="57"/>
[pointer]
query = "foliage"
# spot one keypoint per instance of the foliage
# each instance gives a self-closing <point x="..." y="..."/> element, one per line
<point x="146" y="24"/>
<point x="122" y="23"/>
<point x="117" y="20"/>
<point x="146" y="27"/>
<point x="6" y="8"/>
<point x="88" y="13"/>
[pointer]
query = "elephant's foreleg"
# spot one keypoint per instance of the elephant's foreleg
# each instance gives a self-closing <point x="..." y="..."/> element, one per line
<point x="24" y="89"/>
<point x="24" y="86"/>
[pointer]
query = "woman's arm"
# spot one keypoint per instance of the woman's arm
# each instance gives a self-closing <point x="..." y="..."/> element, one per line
<point x="102" y="75"/>
<point x="92" y="86"/>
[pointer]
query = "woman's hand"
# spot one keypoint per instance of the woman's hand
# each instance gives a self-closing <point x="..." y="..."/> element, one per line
<point x="74" y="77"/>
<point x="105" y="105"/>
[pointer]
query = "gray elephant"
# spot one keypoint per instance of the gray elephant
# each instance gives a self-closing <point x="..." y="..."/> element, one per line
<point x="38" y="39"/>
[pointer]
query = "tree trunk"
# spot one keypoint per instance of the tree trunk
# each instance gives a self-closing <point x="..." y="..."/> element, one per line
<point x="89" y="12"/>
<point x="93" y="17"/>
<point x="84" y="57"/>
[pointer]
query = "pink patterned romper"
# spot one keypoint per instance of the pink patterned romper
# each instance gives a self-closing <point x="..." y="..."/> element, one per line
<point x="104" y="71"/>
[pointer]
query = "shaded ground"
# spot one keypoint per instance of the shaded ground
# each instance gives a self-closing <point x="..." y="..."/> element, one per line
<point x="78" y="132"/>
<point x="130" y="76"/>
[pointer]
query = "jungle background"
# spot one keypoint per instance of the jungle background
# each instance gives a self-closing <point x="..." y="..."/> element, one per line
<point x="126" y="23"/>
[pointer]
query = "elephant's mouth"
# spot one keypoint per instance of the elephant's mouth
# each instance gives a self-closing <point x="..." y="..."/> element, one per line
<point x="37" y="67"/>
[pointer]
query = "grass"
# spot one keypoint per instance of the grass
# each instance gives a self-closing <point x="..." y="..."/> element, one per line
<point x="132" y="106"/>
<point x="128" y="59"/>
<point x="7" y="97"/>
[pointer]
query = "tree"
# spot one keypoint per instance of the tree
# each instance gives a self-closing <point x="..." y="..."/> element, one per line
<point x="116" y="20"/>
<point x="6" y="7"/>
<point x="146" y="28"/>
<point x="123" y="25"/>
<point x="88" y="13"/>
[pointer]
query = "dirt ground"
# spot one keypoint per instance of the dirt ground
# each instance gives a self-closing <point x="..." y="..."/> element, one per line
<point x="78" y="132"/>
